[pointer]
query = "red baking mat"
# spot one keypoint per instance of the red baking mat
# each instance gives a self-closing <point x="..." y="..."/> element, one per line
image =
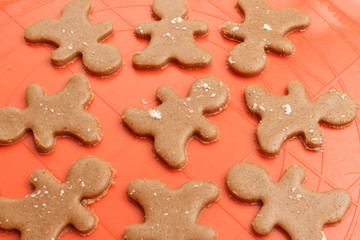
<point x="327" y="57"/>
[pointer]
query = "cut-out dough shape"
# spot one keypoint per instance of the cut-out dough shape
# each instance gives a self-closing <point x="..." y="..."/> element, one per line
<point x="284" y="117"/>
<point x="263" y="30"/>
<point x="172" y="214"/>
<point x="53" y="206"/>
<point x="50" y="116"/>
<point x="300" y="212"/>
<point x="177" y="119"/>
<point x="75" y="36"/>
<point x="171" y="38"/>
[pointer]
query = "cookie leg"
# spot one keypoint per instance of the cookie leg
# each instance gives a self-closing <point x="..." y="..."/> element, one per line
<point x="247" y="59"/>
<point x="88" y="132"/>
<point x="270" y="142"/>
<point x="150" y="58"/>
<point x="264" y="221"/>
<point x="44" y="140"/>
<point x="194" y="57"/>
<point x="202" y="232"/>
<point x="139" y="231"/>
<point x="171" y="150"/>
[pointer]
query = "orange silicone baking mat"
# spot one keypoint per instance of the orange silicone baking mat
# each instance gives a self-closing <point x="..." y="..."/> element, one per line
<point x="327" y="57"/>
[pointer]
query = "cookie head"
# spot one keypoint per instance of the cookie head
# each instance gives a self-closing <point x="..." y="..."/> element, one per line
<point x="90" y="176"/>
<point x="338" y="109"/>
<point x="12" y="126"/>
<point x="170" y="9"/>
<point x="211" y="93"/>
<point x="247" y="181"/>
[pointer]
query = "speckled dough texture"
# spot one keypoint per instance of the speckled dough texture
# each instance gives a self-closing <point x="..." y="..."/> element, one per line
<point x="172" y="214"/>
<point x="300" y="212"/>
<point x="53" y="206"/>
<point x="75" y="36"/>
<point x="60" y="114"/>
<point x="171" y="38"/>
<point x="284" y="117"/>
<point x="263" y="29"/>
<point x="173" y="123"/>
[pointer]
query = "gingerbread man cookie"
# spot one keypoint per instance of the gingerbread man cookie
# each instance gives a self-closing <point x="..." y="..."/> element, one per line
<point x="75" y="36"/>
<point x="172" y="214"/>
<point x="300" y="212"/>
<point x="263" y="30"/>
<point x="50" y="116"/>
<point x="177" y="120"/>
<point x="284" y="117"/>
<point x="53" y="206"/>
<point x="172" y="38"/>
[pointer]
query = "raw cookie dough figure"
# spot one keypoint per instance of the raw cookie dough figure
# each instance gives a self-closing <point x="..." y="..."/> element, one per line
<point x="177" y="119"/>
<point x="302" y="213"/>
<point x="53" y="205"/>
<point x="171" y="38"/>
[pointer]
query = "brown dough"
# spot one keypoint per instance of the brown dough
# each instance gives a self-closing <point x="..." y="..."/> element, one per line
<point x="177" y="120"/>
<point x="284" y="117"/>
<point x="300" y="212"/>
<point x="171" y="38"/>
<point x="49" y="116"/>
<point x="53" y="206"/>
<point x="75" y="36"/>
<point x="172" y="214"/>
<point x="263" y="30"/>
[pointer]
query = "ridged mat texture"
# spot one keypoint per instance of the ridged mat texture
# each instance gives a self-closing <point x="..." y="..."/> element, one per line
<point x="327" y="57"/>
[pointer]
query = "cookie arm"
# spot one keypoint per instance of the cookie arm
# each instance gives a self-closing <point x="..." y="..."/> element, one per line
<point x="297" y="89"/>
<point x="77" y="90"/>
<point x="292" y="19"/>
<point x="165" y="93"/>
<point x="82" y="219"/>
<point x="135" y="119"/>
<point x="280" y="45"/>
<point x="63" y="55"/>
<point x="103" y="29"/>
<point x="44" y="31"/>
<point x="256" y="96"/>
<point x="40" y="178"/>
<point x="200" y="27"/>
<point x="145" y="191"/>
<point x="207" y="131"/>
<point x="205" y="192"/>
<point x="34" y="95"/>
<point x="233" y="30"/>
<point x="145" y="29"/>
